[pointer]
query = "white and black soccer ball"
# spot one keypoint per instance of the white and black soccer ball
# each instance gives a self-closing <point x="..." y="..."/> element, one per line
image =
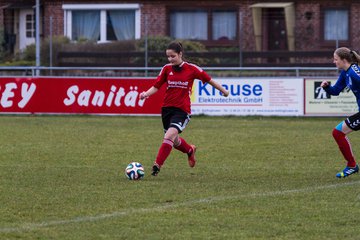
<point x="134" y="171"/>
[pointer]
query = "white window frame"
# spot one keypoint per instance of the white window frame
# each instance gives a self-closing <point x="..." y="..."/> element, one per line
<point x="68" y="8"/>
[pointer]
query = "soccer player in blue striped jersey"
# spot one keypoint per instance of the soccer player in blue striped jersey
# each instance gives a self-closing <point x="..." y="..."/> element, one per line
<point x="347" y="61"/>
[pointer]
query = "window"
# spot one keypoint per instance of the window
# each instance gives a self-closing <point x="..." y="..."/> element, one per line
<point x="102" y="22"/>
<point x="224" y="26"/>
<point x="85" y="25"/>
<point x="189" y="25"/>
<point x="203" y="25"/>
<point x="30" y="25"/>
<point x="336" y="25"/>
<point x="120" y="25"/>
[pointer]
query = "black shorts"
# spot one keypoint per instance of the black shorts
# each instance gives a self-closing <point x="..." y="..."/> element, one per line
<point x="174" y="117"/>
<point x="353" y="122"/>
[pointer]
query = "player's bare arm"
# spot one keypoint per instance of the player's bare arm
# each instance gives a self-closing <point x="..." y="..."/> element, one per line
<point x="148" y="93"/>
<point x="219" y="87"/>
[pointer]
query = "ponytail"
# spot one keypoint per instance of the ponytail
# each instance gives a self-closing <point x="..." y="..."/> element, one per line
<point x="355" y="57"/>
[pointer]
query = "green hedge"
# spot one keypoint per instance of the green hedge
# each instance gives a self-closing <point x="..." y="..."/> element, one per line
<point x="154" y="43"/>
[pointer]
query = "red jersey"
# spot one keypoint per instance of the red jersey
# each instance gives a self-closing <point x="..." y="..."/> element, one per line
<point x="179" y="84"/>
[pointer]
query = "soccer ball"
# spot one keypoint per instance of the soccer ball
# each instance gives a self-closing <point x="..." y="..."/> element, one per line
<point x="134" y="171"/>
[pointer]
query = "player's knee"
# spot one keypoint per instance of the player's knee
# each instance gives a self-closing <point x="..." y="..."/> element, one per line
<point x="171" y="133"/>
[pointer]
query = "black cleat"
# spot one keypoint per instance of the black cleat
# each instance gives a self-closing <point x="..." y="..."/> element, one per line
<point x="155" y="170"/>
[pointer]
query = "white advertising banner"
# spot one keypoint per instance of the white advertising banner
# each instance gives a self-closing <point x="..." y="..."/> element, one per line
<point x="250" y="96"/>
<point x="319" y="103"/>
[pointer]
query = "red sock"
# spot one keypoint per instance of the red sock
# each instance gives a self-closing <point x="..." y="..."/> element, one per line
<point x="164" y="151"/>
<point x="345" y="147"/>
<point x="183" y="146"/>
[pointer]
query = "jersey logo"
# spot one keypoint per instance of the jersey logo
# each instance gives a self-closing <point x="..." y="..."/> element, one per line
<point x="356" y="69"/>
<point x="171" y="73"/>
<point x="177" y="84"/>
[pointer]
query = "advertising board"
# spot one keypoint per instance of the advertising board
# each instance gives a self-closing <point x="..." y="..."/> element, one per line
<point x="250" y="96"/>
<point x="77" y="96"/>
<point x="319" y="103"/>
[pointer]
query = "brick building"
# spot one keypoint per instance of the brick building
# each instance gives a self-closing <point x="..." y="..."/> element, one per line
<point x="299" y="25"/>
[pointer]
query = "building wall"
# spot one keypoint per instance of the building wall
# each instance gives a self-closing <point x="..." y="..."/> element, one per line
<point x="307" y="33"/>
<point x="2" y="19"/>
<point x="354" y="26"/>
<point x="152" y="15"/>
<point x="247" y="38"/>
<point x="53" y="9"/>
<point x="154" y="19"/>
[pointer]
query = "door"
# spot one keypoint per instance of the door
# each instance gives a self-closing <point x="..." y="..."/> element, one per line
<point x="276" y="36"/>
<point x="26" y="28"/>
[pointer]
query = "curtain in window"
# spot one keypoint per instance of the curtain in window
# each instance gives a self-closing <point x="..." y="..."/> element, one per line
<point x="224" y="25"/>
<point x="86" y="24"/>
<point x="336" y="25"/>
<point x="189" y="25"/>
<point x="123" y="23"/>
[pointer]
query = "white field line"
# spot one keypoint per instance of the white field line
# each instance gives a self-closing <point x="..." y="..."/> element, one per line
<point x="34" y="226"/>
<point x="96" y="168"/>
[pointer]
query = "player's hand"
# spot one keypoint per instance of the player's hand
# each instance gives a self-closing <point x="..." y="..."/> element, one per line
<point x="324" y="84"/>
<point x="143" y="95"/>
<point x="226" y="93"/>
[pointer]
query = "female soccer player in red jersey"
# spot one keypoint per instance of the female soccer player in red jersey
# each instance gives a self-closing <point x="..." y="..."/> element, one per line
<point x="179" y="77"/>
<point x="348" y="61"/>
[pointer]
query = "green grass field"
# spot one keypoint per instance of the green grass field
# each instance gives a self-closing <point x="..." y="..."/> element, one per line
<point x="62" y="177"/>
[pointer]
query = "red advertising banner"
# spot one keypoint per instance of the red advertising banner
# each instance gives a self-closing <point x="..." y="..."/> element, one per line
<point x="78" y="95"/>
